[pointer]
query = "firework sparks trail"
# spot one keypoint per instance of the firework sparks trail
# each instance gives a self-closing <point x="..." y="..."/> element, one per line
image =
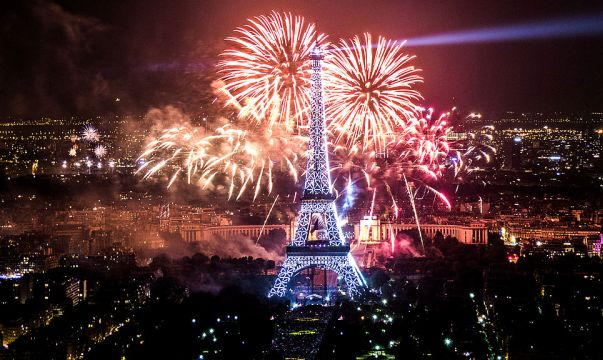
<point x="73" y="150"/>
<point x="266" y="75"/>
<point x="349" y="194"/>
<point x="90" y="134"/>
<point x="411" y="196"/>
<point x="244" y="157"/>
<point x="89" y="164"/>
<point x="421" y="153"/>
<point x="439" y="195"/>
<point x="369" y="85"/>
<point x="373" y="202"/>
<point x="418" y="152"/>
<point x="394" y="204"/>
<point x="369" y="88"/>
<point x="392" y="237"/>
<point x="266" y="220"/>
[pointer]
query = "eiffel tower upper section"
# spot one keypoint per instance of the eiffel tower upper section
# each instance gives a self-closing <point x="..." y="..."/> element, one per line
<point x="318" y="178"/>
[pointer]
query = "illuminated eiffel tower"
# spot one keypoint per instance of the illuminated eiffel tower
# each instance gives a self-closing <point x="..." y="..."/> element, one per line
<point x="318" y="240"/>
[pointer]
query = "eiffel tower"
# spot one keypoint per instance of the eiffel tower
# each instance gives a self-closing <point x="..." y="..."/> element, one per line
<point x="318" y="240"/>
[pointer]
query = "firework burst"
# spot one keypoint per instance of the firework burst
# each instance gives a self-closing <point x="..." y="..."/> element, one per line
<point x="417" y="156"/>
<point x="100" y="151"/>
<point x="90" y="134"/>
<point x="266" y="73"/>
<point x="370" y="95"/>
<point x="420" y="155"/>
<point x="424" y="146"/>
<point x="470" y="154"/>
<point x="419" y="150"/>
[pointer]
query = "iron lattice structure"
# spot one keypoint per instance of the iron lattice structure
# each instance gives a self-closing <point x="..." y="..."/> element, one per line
<point x="330" y="251"/>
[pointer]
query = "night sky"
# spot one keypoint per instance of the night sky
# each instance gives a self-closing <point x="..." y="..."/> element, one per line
<point x="75" y="57"/>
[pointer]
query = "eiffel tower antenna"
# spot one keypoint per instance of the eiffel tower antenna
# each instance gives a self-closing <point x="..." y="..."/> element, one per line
<point x="329" y="251"/>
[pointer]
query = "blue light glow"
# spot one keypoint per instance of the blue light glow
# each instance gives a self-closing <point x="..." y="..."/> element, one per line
<point x="350" y="196"/>
<point x="15" y="276"/>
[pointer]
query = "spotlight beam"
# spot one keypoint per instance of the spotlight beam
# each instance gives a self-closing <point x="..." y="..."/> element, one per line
<point x="550" y="29"/>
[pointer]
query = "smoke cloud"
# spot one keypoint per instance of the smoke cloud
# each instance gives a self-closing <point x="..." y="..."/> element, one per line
<point x="238" y="246"/>
<point x="47" y="60"/>
<point x="268" y="248"/>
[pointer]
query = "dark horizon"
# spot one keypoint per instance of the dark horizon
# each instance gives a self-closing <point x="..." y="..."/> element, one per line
<point x="68" y="58"/>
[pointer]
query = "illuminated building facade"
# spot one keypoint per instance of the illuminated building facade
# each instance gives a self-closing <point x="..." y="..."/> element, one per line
<point x="253" y="231"/>
<point x="376" y="231"/>
<point x="369" y="231"/>
<point x="551" y="234"/>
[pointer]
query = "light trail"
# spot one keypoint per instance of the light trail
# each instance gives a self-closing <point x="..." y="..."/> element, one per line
<point x="550" y="29"/>
<point x="414" y="209"/>
<point x="373" y="202"/>
<point x="266" y="220"/>
<point x="392" y="237"/>
<point x="394" y="204"/>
